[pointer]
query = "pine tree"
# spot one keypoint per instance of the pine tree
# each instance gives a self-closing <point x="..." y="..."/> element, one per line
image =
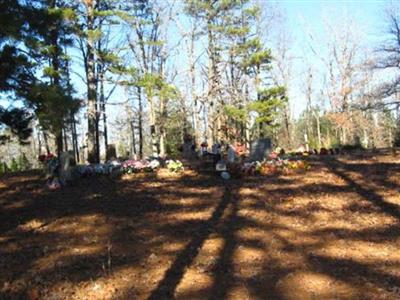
<point x="16" y="68"/>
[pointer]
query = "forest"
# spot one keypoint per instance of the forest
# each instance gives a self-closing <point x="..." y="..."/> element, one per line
<point x="199" y="149"/>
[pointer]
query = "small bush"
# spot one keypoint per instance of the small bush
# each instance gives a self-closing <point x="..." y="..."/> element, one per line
<point x="174" y="166"/>
<point x="352" y="147"/>
<point x="24" y="163"/>
<point x="14" y="167"/>
<point x="396" y="142"/>
<point x="3" y="168"/>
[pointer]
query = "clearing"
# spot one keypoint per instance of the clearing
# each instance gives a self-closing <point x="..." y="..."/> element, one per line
<point x="330" y="233"/>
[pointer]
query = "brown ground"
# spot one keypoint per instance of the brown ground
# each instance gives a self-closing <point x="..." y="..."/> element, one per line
<point x="331" y="233"/>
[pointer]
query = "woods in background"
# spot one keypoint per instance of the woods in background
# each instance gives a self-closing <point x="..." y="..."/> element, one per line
<point x="85" y="75"/>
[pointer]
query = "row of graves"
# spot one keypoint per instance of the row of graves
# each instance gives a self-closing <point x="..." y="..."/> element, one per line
<point x="226" y="160"/>
<point x="59" y="172"/>
<point x="235" y="160"/>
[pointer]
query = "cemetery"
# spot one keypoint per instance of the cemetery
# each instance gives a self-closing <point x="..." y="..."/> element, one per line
<point x="199" y="149"/>
<point x="179" y="229"/>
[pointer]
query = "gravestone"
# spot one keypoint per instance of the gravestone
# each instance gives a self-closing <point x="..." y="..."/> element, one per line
<point x="187" y="152"/>
<point x="65" y="166"/>
<point x="187" y="147"/>
<point x="259" y="149"/>
<point x="111" y="152"/>
<point x="231" y="154"/>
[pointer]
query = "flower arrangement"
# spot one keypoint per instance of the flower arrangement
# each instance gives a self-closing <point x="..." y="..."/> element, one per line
<point x="268" y="167"/>
<point x="45" y="158"/>
<point x="154" y="164"/>
<point x="135" y="166"/>
<point x="49" y="162"/>
<point x="174" y="166"/>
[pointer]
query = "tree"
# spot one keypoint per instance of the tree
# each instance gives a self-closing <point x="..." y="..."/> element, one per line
<point x="52" y="100"/>
<point x="149" y="56"/>
<point x="390" y="56"/>
<point x="88" y="33"/>
<point x="345" y="74"/>
<point x="16" y="68"/>
<point x="389" y="60"/>
<point x="212" y="16"/>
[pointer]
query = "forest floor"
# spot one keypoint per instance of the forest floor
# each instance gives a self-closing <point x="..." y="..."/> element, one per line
<point x="330" y="233"/>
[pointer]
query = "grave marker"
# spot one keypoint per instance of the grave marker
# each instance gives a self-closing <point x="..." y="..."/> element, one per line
<point x="111" y="152"/>
<point x="259" y="149"/>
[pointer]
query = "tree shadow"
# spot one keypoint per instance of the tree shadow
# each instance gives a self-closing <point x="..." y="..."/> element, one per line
<point x="341" y="169"/>
<point x="158" y="230"/>
<point x="166" y="287"/>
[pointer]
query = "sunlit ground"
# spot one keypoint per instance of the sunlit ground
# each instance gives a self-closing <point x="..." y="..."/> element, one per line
<point x="330" y="233"/>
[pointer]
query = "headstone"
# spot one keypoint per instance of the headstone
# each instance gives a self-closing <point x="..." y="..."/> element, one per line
<point x="231" y="153"/>
<point x="187" y="152"/>
<point x="111" y="152"/>
<point x="65" y="166"/>
<point x="259" y="149"/>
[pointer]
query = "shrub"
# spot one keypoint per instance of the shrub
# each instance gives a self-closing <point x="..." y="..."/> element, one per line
<point x="396" y="142"/>
<point x="3" y="168"/>
<point x="352" y="147"/>
<point x="14" y="167"/>
<point x="23" y="162"/>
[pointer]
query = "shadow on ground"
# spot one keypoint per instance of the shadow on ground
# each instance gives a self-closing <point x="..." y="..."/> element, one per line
<point x="330" y="233"/>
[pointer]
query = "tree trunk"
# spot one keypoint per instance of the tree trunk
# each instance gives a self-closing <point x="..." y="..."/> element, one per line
<point x="59" y="143"/>
<point x="287" y="125"/>
<point x="211" y="84"/>
<point x="162" y="126"/>
<point x="55" y="64"/>
<point x="103" y="109"/>
<point x="76" y="143"/>
<point x="196" y="125"/>
<point x="65" y="139"/>
<point x="140" y="122"/>
<point x="93" y="154"/>
<point x="153" y="131"/>
<point x="133" y="137"/>
<point x="318" y="131"/>
<point x="74" y="138"/>
<point x="46" y="142"/>
<point x="39" y="142"/>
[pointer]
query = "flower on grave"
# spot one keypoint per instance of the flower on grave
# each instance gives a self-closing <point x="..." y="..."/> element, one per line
<point x="273" y="155"/>
<point x="131" y="166"/>
<point x="45" y="158"/>
<point x="136" y="166"/>
<point x="154" y="164"/>
<point x="174" y="165"/>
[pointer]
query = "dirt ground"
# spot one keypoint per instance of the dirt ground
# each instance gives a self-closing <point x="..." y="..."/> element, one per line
<point x="330" y="233"/>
